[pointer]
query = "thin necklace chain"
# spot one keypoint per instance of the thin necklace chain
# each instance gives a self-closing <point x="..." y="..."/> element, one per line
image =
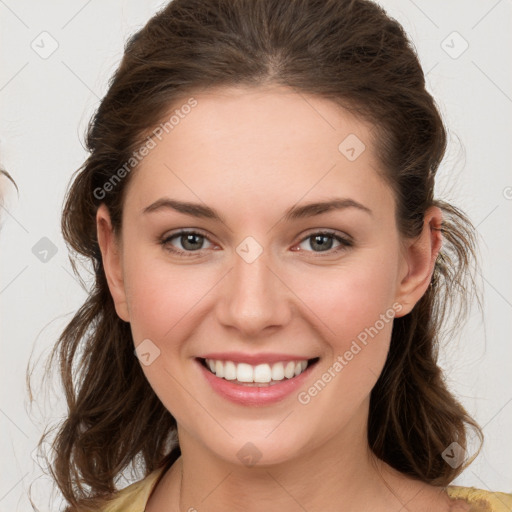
<point x="181" y="486"/>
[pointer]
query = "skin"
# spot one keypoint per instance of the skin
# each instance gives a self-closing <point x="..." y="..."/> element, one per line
<point x="251" y="154"/>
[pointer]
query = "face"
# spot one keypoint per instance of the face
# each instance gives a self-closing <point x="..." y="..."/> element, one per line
<point x="256" y="275"/>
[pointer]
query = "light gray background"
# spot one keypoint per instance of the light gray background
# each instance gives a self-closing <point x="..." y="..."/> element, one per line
<point x="46" y="103"/>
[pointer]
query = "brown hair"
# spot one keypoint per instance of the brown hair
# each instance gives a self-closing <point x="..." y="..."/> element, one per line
<point x="348" y="51"/>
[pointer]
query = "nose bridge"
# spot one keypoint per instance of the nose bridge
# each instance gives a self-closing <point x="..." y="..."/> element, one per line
<point x="255" y="297"/>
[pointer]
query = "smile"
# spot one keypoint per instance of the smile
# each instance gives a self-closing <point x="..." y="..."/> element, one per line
<point x="261" y="374"/>
<point x="255" y="384"/>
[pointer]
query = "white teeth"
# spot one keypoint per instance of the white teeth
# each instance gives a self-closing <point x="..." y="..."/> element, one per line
<point x="229" y="370"/>
<point x="261" y="373"/>
<point x="244" y="372"/>
<point x="219" y="369"/>
<point x="278" y="371"/>
<point x="289" y="370"/>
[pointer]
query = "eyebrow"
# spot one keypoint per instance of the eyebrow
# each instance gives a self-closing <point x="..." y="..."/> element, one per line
<point x="293" y="213"/>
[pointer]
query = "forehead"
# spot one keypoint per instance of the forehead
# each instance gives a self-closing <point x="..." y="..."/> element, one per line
<point x="271" y="145"/>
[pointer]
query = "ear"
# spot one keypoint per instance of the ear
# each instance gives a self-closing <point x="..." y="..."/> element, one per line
<point x="112" y="261"/>
<point x="420" y="256"/>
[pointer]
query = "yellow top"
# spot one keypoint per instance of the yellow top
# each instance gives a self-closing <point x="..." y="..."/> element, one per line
<point x="134" y="497"/>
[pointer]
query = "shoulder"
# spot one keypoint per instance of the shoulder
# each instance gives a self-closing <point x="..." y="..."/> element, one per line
<point x="134" y="497"/>
<point x="480" y="500"/>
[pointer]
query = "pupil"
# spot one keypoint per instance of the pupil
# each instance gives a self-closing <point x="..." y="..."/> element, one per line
<point x="189" y="239"/>
<point x="323" y="245"/>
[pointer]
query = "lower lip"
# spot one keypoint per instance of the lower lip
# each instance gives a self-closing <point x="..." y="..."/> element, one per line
<point x="253" y="395"/>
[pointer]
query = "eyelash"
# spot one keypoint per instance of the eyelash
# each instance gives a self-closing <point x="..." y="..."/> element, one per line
<point x="345" y="243"/>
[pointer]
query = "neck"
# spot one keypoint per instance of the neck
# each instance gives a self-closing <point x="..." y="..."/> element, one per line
<point x="339" y="474"/>
<point x="295" y="486"/>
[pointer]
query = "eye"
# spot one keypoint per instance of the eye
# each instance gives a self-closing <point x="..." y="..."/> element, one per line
<point x="324" y="240"/>
<point x="190" y="242"/>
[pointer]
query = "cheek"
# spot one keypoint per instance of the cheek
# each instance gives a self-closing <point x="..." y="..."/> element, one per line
<point x="350" y="298"/>
<point x="356" y="315"/>
<point x="161" y="300"/>
<point x="160" y="296"/>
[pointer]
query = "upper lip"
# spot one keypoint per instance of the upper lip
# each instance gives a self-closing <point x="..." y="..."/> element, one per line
<point x="254" y="359"/>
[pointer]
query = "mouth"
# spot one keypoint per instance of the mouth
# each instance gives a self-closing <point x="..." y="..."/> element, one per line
<point x="257" y="375"/>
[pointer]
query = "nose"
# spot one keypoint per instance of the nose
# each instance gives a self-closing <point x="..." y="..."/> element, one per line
<point x="254" y="299"/>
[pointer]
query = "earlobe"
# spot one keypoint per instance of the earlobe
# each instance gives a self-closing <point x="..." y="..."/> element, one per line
<point x="112" y="261"/>
<point x="420" y="255"/>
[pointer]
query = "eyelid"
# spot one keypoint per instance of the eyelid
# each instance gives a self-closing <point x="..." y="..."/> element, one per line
<point x="185" y="231"/>
<point x="327" y="231"/>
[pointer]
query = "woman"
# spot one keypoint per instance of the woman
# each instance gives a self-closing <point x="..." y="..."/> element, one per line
<point x="272" y="272"/>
